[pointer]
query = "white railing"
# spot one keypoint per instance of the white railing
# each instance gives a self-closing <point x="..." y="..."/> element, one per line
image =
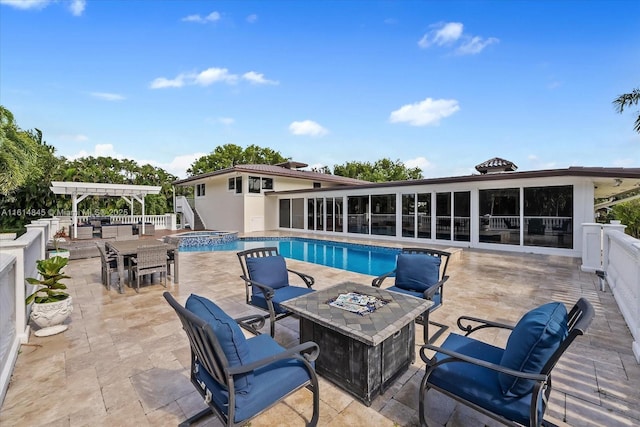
<point x="182" y="206"/>
<point x="161" y="222"/>
<point x="621" y="262"/>
<point x="17" y="262"/>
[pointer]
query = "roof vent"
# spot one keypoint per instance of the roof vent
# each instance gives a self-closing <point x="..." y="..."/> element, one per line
<point x="292" y="165"/>
<point x="496" y="165"/>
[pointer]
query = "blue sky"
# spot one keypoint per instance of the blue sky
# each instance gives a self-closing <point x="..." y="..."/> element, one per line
<point x="443" y="85"/>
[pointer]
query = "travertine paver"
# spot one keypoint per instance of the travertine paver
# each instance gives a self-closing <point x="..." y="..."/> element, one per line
<point x="124" y="359"/>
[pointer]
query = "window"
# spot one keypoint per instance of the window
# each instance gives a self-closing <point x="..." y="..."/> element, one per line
<point x="338" y="214"/>
<point x="319" y="214"/>
<point x="408" y="215"/>
<point x="462" y="216"/>
<point x="311" y="214"/>
<point x="267" y="183"/>
<point x="499" y="211"/>
<point x="329" y="224"/>
<point x="383" y="214"/>
<point x="232" y="183"/>
<point x="424" y="215"/>
<point x="358" y="211"/>
<point x="254" y="184"/>
<point x="285" y="213"/>
<point x="443" y="216"/>
<point x="548" y="216"/>
<point x="316" y="185"/>
<point x="297" y="213"/>
<point x="200" y="190"/>
<point x="238" y="184"/>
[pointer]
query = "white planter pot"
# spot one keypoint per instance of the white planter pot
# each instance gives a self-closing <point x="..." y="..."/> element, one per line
<point x="49" y="316"/>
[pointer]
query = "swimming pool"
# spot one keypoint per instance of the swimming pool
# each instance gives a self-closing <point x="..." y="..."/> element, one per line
<point x="365" y="259"/>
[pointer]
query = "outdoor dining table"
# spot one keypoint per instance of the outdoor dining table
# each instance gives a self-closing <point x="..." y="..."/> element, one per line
<point x="124" y="248"/>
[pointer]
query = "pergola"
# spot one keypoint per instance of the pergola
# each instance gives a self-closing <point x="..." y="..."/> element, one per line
<point x="80" y="190"/>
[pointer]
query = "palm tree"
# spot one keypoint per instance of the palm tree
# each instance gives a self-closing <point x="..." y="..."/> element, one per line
<point x="627" y="100"/>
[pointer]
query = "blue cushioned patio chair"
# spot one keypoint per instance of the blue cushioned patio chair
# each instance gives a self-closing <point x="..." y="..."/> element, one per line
<point x="422" y="273"/>
<point x="239" y="378"/>
<point x="511" y="385"/>
<point x="266" y="278"/>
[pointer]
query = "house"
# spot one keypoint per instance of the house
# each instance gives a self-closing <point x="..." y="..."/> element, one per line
<point x="539" y="211"/>
<point x="235" y="198"/>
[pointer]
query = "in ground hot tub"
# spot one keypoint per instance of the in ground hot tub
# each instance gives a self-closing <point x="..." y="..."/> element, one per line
<point x="201" y="238"/>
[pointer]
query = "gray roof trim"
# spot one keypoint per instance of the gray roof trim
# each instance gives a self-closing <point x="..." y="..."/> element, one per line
<point x="275" y="171"/>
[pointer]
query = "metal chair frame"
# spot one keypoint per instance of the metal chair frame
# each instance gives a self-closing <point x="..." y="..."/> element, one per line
<point x="579" y="319"/>
<point x="208" y="354"/>
<point x="268" y="291"/>
<point x="150" y="259"/>
<point x="429" y="293"/>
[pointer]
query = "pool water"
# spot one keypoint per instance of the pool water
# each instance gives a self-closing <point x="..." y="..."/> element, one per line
<point x="371" y="260"/>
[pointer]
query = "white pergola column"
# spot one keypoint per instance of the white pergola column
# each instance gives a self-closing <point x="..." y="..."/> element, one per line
<point x="76" y="199"/>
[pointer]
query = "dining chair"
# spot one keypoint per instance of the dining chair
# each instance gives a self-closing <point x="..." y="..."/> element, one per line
<point x="149" y="259"/>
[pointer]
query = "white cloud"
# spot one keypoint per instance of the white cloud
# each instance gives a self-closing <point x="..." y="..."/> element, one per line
<point x="425" y="113"/>
<point x="162" y="82"/>
<point x="179" y="165"/>
<point x="450" y="33"/>
<point x="26" y="4"/>
<point x="226" y="120"/>
<point x="475" y="45"/>
<point x="75" y="138"/>
<point x="252" y="19"/>
<point x="77" y="7"/>
<point x="107" y="96"/>
<point x="307" y="127"/>
<point x="418" y="162"/>
<point x="441" y="34"/>
<point x="99" y="150"/>
<point x="213" y="75"/>
<point x="212" y="17"/>
<point x="258" y="79"/>
<point x="208" y="77"/>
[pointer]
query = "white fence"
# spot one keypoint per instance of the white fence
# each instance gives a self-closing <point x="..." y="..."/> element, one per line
<point x="17" y="261"/>
<point x="621" y="262"/>
<point x="161" y="222"/>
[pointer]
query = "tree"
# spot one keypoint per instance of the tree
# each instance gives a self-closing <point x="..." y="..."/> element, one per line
<point x="629" y="214"/>
<point x="627" y="100"/>
<point x="382" y="170"/>
<point x="229" y="155"/>
<point x="20" y="151"/>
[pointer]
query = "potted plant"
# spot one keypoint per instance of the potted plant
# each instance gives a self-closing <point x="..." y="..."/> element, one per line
<point x="51" y="304"/>
<point x="57" y="239"/>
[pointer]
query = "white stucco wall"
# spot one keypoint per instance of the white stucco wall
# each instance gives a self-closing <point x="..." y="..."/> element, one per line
<point x="219" y="208"/>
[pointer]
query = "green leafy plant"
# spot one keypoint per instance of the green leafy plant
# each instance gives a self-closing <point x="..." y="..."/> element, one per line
<point x="50" y="287"/>
<point x="629" y="214"/>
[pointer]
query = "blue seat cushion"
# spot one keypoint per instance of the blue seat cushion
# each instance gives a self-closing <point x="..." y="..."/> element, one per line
<point x="271" y="382"/>
<point x="269" y="270"/>
<point x="417" y="272"/>
<point x="231" y="339"/>
<point x="436" y="298"/>
<point x="477" y="384"/>
<point x="281" y="294"/>
<point x="534" y="339"/>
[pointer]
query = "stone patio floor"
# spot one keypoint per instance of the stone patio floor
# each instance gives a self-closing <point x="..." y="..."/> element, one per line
<point x="124" y="359"/>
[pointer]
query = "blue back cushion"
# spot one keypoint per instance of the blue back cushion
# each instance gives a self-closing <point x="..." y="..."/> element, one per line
<point x="231" y="339"/>
<point x="269" y="270"/>
<point x="531" y="344"/>
<point x="417" y="272"/>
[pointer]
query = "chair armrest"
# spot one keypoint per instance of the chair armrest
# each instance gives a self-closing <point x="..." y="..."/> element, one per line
<point x="483" y="324"/>
<point x="253" y="322"/>
<point x="266" y="290"/>
<point x="433" y="289"/>
<point x="308" y="280"/>
<point x="459" y="357"/>
<point x="378" y="280"/>
<point x="310" y="350"/>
